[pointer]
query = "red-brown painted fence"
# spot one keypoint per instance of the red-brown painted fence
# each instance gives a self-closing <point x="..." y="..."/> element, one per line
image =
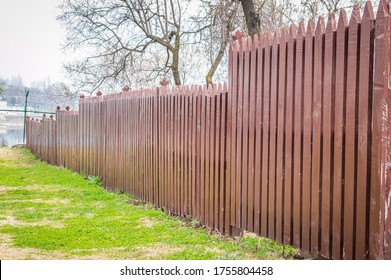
<point x="295" y="148"/>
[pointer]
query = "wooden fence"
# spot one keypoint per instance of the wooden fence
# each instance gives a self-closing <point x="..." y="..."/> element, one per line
<point x="295" y="148"/>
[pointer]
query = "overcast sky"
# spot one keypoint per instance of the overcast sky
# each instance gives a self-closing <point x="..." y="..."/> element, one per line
<point x="30" y="40"/>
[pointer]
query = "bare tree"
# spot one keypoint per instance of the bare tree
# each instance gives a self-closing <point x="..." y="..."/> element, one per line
<point x="316" y="8"/>
<point x="222" y="16"/>
<point x="61" y="93"/>
<point x="133" y="41"/>
<point x="251" y="16"/>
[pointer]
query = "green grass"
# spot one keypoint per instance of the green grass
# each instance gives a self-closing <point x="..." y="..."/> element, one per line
<point x="47" y="212"/>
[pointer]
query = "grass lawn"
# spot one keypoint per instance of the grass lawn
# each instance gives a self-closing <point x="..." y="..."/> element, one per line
<point x="47" y="212"/>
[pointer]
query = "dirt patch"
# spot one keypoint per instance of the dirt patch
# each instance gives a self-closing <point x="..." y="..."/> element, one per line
<point x="11" y="157"/>
<point x="11" y="221"/>
<point x="54" y="201"/>
<point x="155" y="251"/>
<point x="145" y="222"/>
<point x="8" y="154"/>
<point x="8" y="252"/>
<point x="136" y="202"/>
<point x="89" y="215"/>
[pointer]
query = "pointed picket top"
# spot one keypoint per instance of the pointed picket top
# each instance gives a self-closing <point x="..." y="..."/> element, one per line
<point x="342" y="20"/>
<point x="249" y="43"/>
<point x="382" y="9"/>
<point x="331" y="23"/>
<point x="355" y="18"/>
<point x="237" y="45"/>
<point x="268" y="38"/>
<point x="320" y="27"/>
<point x="218" y="89"/>
<point x="215" y="91"/>
<point x="368" y="11"/>
<point x="208" y="89"/>
<point x="284" y="34"/>
<point x="301" y="29"/>
<point x="292" y="31"/>
<point x="261" y="40"/>
<point x="276" y="38"/>
<point x="203" y="90"/>
<point x="232" y="46"/>
<point x="187" y="90"/>
<point x="225" y="87"/>
<point x="255" y="42"/>
<point x="221" y="88"/>
<point x="199" y="90"/>
<point x="310" y="28"/>
<point x="243" y="44"/>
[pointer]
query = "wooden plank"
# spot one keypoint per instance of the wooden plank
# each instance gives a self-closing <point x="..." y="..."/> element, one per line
<point x="212" y="156"/>
<point x="207" y="155"/>
<point x="364" y="128"/>
<point x="165" y="149"/>
<point x="247" y="46"/>
<point x="259" y="46"/>
<point x="193" y="102"/>
<point x="231" y="135"/>
<point x="185" y="152"/>
<point x="307" y="135"/>
<point x="171" y="152"/>
<point x="350" y="132"/>
<point x="339" y="130"/>
<point x="289" y="151"/>
<point x="175" y="138"/>
<point x="379" y="133"/>
<point x="224" y="192"/>
<point x="280" y="155"/>
<point x="251" y="134"/>
<point x="161" y="132"/>
<point x="273" y="137"/>
<point x="217" y="188"/>
<point x="199" y="97"/>
<point x="317" y="111"/>
<point x="202" y="155"/>
<point x="328" y="128"/>
<point x="265" y="139"/>
<point x="150" y="147"/>
<point x="179" y="153"/>
<point x="239" y="136"/>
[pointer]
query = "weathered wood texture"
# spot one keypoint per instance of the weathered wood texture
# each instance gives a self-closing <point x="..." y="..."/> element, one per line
<point x="296" y="147"/>
<point x="317" y="177"/>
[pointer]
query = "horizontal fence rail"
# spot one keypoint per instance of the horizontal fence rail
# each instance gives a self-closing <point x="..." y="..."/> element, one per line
<point x="296" y="147"/>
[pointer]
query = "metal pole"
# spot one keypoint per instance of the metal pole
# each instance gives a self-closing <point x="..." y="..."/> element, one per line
<point x="26" y="92"/>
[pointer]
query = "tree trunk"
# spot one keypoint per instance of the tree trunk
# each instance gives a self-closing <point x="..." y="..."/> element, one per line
<point x="175" y="60"/>
<point x="252" y="18"/>
<point x="226" y="38"/>
<point x="216" y="63"/>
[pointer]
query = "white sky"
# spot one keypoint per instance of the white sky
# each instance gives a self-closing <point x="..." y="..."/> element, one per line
<point x="30" y="40"/>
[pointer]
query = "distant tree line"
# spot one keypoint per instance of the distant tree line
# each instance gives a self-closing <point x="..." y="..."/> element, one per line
<point x="43" y="95"/>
